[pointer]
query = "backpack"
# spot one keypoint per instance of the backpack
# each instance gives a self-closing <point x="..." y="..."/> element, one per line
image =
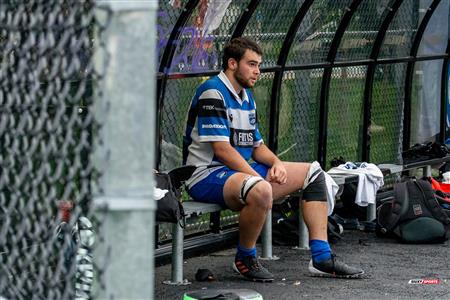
<point x="347" y="208"/>
<point x="168" y="207"/>
<point x="414" y="215"/>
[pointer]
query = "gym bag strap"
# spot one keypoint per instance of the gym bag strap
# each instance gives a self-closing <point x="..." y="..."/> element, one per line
<point x="389" y="213"/>
<point x="431" y="202"/>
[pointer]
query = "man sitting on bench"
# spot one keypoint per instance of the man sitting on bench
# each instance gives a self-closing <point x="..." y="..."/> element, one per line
<point x="221" y="136"/>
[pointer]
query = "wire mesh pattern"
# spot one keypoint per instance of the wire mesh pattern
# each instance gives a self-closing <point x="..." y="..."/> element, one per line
<point x="358" y="38"/>
<point x="298" y="128"/>
<point x="46" y="136"/>
<point x="179" y="93"/>
<point x="168" y="14"/>
<point x="346" y="95"/>
<point x="402" y="30"/>
<point x="262" y="94"/>
<point x="387" y="113"/>
<point x="313" y="39"/>
<point x="269" y="25"/>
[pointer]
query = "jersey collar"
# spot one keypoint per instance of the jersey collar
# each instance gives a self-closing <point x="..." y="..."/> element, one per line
<point x="230" y="87"/>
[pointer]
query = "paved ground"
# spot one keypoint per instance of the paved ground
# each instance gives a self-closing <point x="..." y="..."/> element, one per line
<point x="389" y="267"/>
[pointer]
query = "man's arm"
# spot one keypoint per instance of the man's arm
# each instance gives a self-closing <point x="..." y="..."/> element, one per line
<point x="231" y="158"/>
<point x="277" y="173"/>
<point x="264" y="155"/>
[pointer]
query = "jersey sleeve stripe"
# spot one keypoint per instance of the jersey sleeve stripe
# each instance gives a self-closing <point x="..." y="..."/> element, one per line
<point x="213" y="138"/>
<point x="210" y="107"/>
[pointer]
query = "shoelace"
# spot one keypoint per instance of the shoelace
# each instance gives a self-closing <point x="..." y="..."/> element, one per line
<point x="255" y="264"/>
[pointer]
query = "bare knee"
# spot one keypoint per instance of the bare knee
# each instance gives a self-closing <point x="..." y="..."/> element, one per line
<point x="261" y="195"/>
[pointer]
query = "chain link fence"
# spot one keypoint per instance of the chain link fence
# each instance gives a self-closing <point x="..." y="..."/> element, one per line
<point x="47" y="126"/>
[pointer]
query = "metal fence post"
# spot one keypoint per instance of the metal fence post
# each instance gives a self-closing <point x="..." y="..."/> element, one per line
<point x="126" y="111"/>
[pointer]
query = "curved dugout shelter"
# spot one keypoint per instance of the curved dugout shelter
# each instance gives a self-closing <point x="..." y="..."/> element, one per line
<point x="359" y="79"/>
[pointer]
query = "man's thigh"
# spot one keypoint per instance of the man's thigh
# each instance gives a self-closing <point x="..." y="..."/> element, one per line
<point x="210" y="189"/>
<point x="296" y="174"/>
<point x="223" y="186"/>
<point x="233" y="186"/>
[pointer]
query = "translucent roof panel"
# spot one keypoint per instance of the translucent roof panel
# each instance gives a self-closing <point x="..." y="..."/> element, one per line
<point x="167" y="17"/>
<point x="269" y="24"/>
<point x="314" y="36"/>
<point x="435" y="37"/>
<point x="402" y="30"/>
<point x="357" y="42"/>
<point x="201" y="41"/>
<point x="425" y="101"/>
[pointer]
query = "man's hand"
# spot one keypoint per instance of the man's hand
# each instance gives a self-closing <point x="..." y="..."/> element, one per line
<point x="277" y="173"/>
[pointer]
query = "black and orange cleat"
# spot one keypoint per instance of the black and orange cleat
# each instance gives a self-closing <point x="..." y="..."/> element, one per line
<point x="252" y="270"/>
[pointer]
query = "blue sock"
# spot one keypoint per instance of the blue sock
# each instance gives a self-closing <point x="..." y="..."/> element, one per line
<point x="320" y="250"/>
<point x="243" y="252"/>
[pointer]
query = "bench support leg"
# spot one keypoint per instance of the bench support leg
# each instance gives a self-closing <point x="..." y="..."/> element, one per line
<point x="371" y="212"/>
<point x="214" y="221"/>
<point x="266" y="239"/>
<point x="427" y="171"/>
<point x="303" y="235"/>
<point x="177" y="256"/>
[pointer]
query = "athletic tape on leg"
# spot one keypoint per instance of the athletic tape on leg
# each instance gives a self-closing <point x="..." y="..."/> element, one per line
<point x="314" y="170"/>
<point x="247" y="185"/>
<point x="315" y="187"/>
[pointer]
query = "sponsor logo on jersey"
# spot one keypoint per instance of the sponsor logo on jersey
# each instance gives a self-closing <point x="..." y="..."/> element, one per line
<point x="214" y="126"/>
<point x="210" y="107"/>
<point x="243" y="138"/>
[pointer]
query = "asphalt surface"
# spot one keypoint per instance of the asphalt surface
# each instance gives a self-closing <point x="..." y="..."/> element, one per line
<point x="393" y="271"/>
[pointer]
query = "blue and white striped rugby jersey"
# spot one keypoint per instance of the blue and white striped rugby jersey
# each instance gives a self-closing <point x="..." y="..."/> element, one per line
<point x="217" y="113"/>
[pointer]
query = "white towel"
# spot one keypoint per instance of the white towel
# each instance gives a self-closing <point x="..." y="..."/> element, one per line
<point x="332" y="189"/>
<point x="158" y="194"/>
<point x="370" y="179"/>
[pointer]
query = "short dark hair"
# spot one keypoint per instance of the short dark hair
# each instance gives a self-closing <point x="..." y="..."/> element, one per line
<point x="236" y="49"/>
